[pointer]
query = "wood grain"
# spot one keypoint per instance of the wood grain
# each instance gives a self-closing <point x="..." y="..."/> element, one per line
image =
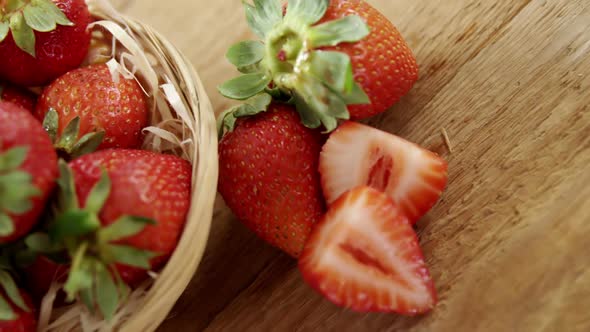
<point x="509" y="81"/>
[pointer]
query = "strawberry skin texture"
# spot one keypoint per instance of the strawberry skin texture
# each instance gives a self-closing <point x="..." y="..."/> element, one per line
<point x="364" y="255"/>
<point x="357" y="154"/>
<point x="90" y="93"/>
<point x="18" y="96"/>
<point x="19" y="128"/>
<point x="26" y="321"/>
<point x="383" y="63"/>
<point x="57" y="51"/>
<point x="144" y="184"/>
<point x="269" y="179"/>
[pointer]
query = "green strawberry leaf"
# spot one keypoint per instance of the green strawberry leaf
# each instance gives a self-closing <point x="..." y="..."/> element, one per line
<point x="124" y="227"/>
<point x="67" y="198"/>
<point x="227" y="120"/>
<point x="81" y="276"/>
<point x="305" y="11"/>
<point x="23" y="35"/>
<point x="317" y="104"/>
<point x="87" y="144"/>
<point x="245" y="54"/>
<point x="6" y="312"/>
<point x="13" y="5"/>
<point x="347" y="29"/>
<point x="131" y="256"/>
<point x="4" y="28"/>
<point x="17" y="201"/>
<point x="99" y="194"/>
<point x="245" y="86"/>
<point x="51" y="124"/>
<point x="107" y="295"/>
<point x="263" y="16"/>
<point x="11" y="289"/>
<point x="44" y="15"/>
<point x="73" y="223"/>
<point x="38" y="242"/>
<point x="87" y="297"/>
<point x="6" y="224"/>
<point x="333" y="69"/>
<point x="69" y="135"/>
<point x="13" y="158"/>
<point x="356" y="96"/>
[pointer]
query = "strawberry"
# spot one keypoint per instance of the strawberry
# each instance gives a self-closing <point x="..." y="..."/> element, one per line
<point x="269" y="179"/>
<point x="16" y="312"/>
<point x="334" y="60"/>
<point x="18" y="96"/>
<point x="28" y="169"/>
<point x="356" y="154"/>
<point x="120" y="212"/>
<point x="86" y="109"/>
<point x="41" y="40"/>
<point x="364" y="255"/>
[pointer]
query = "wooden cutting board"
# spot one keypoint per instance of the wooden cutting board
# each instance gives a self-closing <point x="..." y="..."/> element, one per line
<point x="508" y="245"/>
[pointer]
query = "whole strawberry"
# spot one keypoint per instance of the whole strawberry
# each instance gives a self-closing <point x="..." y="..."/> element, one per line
<point x="28" y="169"/>
<point x="334" y="60"/>
<point x="121" y="212"/>
<point x="87" y="109"/>
<point x="269" y="176"/>
<point x="18" y="96"/>
<point x="42" y="39"/>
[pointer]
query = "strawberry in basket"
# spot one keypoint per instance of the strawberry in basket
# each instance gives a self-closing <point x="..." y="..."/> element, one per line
<point x="42" y="39"/>
<point x="119" y="214"/>
<point x="91" y="108"/>
<point x="27" y="162"/>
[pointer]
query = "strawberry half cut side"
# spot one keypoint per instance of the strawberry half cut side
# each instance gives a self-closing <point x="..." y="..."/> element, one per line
<point x="356" y="155"/>
<point x="364" y="255"/>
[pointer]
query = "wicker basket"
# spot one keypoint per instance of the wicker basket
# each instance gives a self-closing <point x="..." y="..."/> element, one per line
<point x="181" y="108"/>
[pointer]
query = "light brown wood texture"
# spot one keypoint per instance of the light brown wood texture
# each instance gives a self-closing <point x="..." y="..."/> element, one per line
<point x="509" y="81"/>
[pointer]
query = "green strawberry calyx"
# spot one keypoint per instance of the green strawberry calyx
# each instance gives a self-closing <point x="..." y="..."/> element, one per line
<point x="289" y="65"/>
<point x="10" y="289"/>
<point x="68" y="145"/>
<point x="16" y="188"/>
<point x="93" y="249"/>
<point x="23" y="17"/>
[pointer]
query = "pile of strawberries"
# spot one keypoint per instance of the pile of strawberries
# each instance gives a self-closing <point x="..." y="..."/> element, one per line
<point x="299" y="170"/>
<point x="80" y="202"/>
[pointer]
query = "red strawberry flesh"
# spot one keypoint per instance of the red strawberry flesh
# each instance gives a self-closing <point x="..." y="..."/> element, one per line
<point x="356" y="154"/>
<point x="365" y="255"/>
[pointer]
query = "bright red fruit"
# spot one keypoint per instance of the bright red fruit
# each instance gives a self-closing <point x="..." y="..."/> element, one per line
<point x="28" y="169"/>
<point x="269" y="179"/>
<point x="356" y="154"/>
<point x="143" y="184"/>
<point x="334" y="60"/>
<point x="364" y="255"/>
<point x="18" y="96"/>
<point x="383" y="63"/>
<point x="54" y="52"/>
<point x="116" y="108"/>
<point x="24" y="321"/>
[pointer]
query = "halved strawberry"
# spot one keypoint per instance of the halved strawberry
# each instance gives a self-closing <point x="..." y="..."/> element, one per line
<point x="364" y="255"/>
<point x="356" y="154"/>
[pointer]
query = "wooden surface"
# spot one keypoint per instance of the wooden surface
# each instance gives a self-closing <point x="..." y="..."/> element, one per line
<point x="508" y="246"/>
